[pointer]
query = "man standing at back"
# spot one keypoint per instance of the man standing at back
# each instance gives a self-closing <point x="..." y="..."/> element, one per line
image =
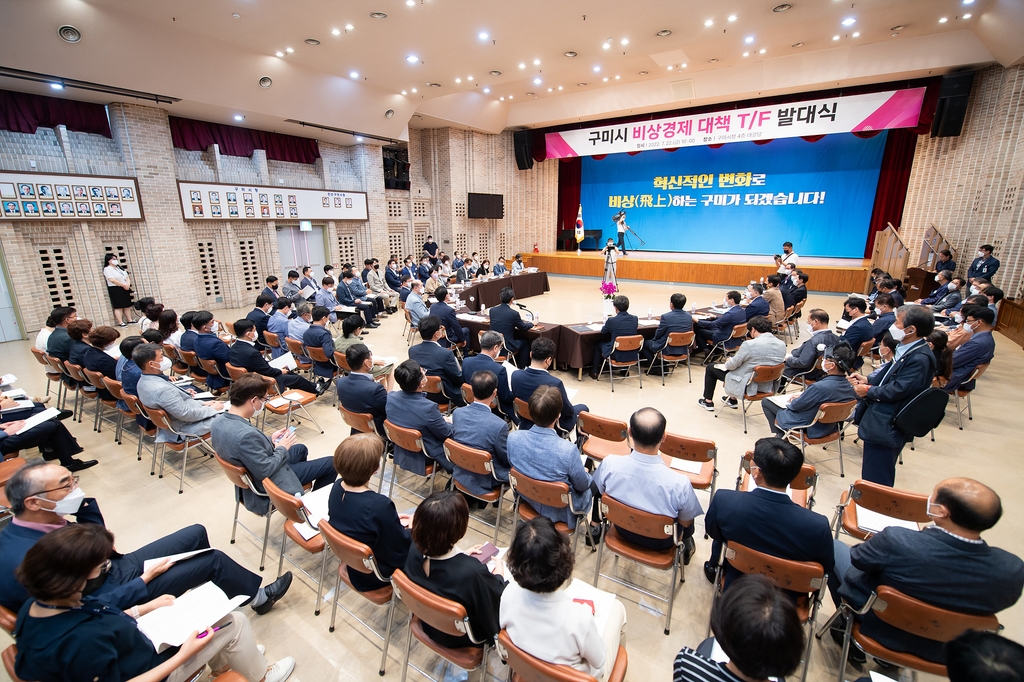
<point x="766" y="519"/>
<point x="620" y="324"/>
<point x="525" y="382"/>
<point x="984" y="266"/>
<point x="505" y="321"/>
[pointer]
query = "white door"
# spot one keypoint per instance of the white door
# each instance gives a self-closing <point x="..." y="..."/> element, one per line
<point x="301" y="248"/>
<point x="10" y="330"/>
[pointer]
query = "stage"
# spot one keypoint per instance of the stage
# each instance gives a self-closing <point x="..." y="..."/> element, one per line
<point x="838" y="275"/>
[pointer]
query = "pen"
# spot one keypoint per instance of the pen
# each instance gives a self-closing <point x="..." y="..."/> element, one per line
<point x="203" y="633"/>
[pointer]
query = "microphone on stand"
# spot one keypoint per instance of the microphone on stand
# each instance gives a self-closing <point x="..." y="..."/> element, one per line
<point x="526" y="310"/>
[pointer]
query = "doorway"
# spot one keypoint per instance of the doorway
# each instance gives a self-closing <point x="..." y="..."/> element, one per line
<point x="299" y="248"/>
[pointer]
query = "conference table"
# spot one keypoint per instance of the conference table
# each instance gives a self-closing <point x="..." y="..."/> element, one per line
<point x="488" y="292"/>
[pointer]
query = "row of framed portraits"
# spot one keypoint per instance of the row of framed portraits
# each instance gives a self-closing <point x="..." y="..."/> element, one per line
<point x="62" y="209"/>
<point x="39" y="196"/>
<point x="27" y="190"/>
<point x="212" y="201"/>
<point x="247" y="211"/>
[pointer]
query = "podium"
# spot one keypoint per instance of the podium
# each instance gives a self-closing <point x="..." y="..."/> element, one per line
<point x="920" y="283"/>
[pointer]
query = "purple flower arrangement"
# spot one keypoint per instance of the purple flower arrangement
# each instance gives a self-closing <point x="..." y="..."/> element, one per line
<point x="609" y="289"/>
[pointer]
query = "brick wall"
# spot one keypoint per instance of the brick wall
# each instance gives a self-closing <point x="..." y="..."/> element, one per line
<point x="18" y="151"/>
<point x="969" y="187"/>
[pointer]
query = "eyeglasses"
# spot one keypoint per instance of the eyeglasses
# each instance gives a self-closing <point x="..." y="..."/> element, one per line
<point x="69" y="486"/>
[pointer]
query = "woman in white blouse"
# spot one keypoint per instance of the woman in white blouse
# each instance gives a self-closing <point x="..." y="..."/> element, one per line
<point x="540" y="614"/>
<point x="119" y="288"/>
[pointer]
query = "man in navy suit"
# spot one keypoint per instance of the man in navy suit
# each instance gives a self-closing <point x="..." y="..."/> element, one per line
<point x="803" y="407"/>
<point x="308" y="280"/>
<point x="757" y="305"/>
<point x="346" y="297"/>
<point x="209" y="347"/>
<point x="505" y="321"/>
<point x="885" y="316"/>
<point x="486" y="361"/>
<point x="766" y="519"/>
<point x="410" y="409"/>
<point x="259" y="316"/>
<point x="621" y="324"/>
<point x="675" y="320"/>
<point x="317" y="336"/>
<point x="438" y="361"/>
<point x="941" y="290"/>
<point x="271" y="288"/>
<point x="859" y="330"/>
<point x="978" y="350"/>
<point x="358" y="392"/>
<point x="391" y="276"/>
<point x="710" y="332"/>
<point x="947" y="565"/>
<point x="444" y="312"/>
<point x="464" y="272"/>
<point x="243" y="353"/>
<point x="477" y="427"/>
<point x="984" y="266"/>
<point x="804" y="356"/>
<point x="423" y="271"/>
<point x="526" y="381"/>
<point x="892" y="287"/>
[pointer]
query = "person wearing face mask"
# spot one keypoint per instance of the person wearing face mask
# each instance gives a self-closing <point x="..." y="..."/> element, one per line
<point x="979" y="349"/>
<point x="788" y="260"/>
<point x="757" y="305"/>
<point x="97" y="358"/>
<point x="889" y="389"/>
<point x="941" y="290"/>
<point x="710" y="332"/>
<point x="984" y="265"/>
<point x="802" y="407"/>
<point x="485" y="269"/>
<point x="185" y="414"/>
<point x="209" y="346"/>
<point x="380" y="287"/>
<point x="119" y="289"/>
<point x="63" y="634"/>
<point x="42" y="494"/>
<point x="465" y="272"/>
<point x="518" y="265"/>
<point x="298" y="325"/>
<point x="392" y="275"/>
<point x="947" y="565"/>
<point x="347" y="295"/>
<point x="433" y="282"/>
<point x="271" y="288"/>
<point x="804" y="357"/>
<point x="445" y="263"/>
<point x="499" y="266"/>
<point x="243" y="353"/>
<point x="884" y="315"/>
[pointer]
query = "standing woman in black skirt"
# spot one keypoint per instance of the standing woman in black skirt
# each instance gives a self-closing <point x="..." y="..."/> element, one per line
<point x="119" y="288"/>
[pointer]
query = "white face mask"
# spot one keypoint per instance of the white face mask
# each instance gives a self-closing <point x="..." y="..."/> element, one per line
<point x="259" y="409"/>
<point x="974" y="291"/>
<point x="928" y="508"/>
<point x="69" y="505"/>
<point x="951" y="286"/>
<point x="981" y="254"/>
<point x="896" y="333"/>
<point x="115" y="262"/>
<point x="809" y="328"/>
<point x="968" y="328"/>
<point x="958" y="318"/>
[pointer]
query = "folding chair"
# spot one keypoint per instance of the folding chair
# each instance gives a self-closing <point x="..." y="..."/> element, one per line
<point x="135" y="405"/>
<point x="272" y="339"/>
<point x="8" y="468"/>
<point x="364" y="423"/>
<point x="676" y="340"/>
<point x="699" y="454"/>
<point x="762" y="374"/>
<point x="441" y="614"/>
<point x="101" y="405"/>
<point x="298" y="351"/>
<point x="294" y="513"/>
<point x="828" y="413"/>
<point x="189" y="358"/>
<point x="240" y="478"/>
<point x="51" y="374"/>
<point x="526" y="668"/>
<point x="902" y="505"/>
<point x="411" y="440"/>
<point x="782" y="326"/>
<point x="82" y="387"/>
<point x="624" y="344"/>
<point x="801" y="377"/>
<point x="412" y="328"/>
<point x="802" y="489"/>
<point x="481" y="462"/>
<point x="293" y="398"/>
<point x="602" y="436"/>
<point x="435" y="386"/>
<point x="160" y="419"/>
<point x="115" y="389"/>
<point x="865" y="351"/>
<point x="212" y="368"/>
<point x="966" y="393"/>
<point x="523" y="410"/>
<point x="63" y="378"/>
<point x="729" y="345"/>
<point x="548" y="493"/>
<point x="179" y="366"/>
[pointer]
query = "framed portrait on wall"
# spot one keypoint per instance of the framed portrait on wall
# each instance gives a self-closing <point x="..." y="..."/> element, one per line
<point x="197" y="210"/>
<point x="96" y="193"/>
<point x="292" y="200"/>
<point x="45" y="191"/>
<point x="250" y="212"/>
<point x="67" y="209"/>
<point x="280" y="211"/>
<point x="215" y="211"/>
<point x="12" y="209"/>
<point x="49" y="209"/>
<point x="26" y="191"/>
<point x="112" y="193"/>
<point x="232" y="210"/>
<point x="214" y="197"/>
<point x="232" y="198"/>
<point x="264" y="211"/>
<point x="127" y="194"/>
<point x="30" y="208"/>
<point x="80" y="191"/>
<point x="293" y="212"/>
<point x="114" y="208"/>
<point x="279" y="200"/>
<point x="264" y="199"/>
<point x="99" y="209"/>
<point x="247" y="198"/>
<point x="63" y="191"/>
<point x="84" y="210"/>
<point x="7" y="191"/>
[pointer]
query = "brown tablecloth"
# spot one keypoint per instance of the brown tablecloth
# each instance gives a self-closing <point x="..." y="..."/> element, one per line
<point x="576" y="344"/>
<point x="489" y="293"/>
<point x="548" y="330"/>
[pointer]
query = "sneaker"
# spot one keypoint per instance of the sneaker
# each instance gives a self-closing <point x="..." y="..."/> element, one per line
<point x="123" y="324"/>
<point x="280" y="671"/>
<point x="321" y="386"/>
<point x="730" y="402"/>
<point x="706" y="404"/>
<point x="274" y="591"/>
<point x="262" y="649"/>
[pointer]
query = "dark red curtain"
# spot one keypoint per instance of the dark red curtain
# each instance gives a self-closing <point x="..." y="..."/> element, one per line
<point x="195" y="135"/>
<point x="570" y="172"/>
<point x="21" y="112"/>
<point x="891" y="195"/>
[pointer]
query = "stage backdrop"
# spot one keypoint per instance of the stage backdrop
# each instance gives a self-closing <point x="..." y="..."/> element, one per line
<point x="741" y="198"/>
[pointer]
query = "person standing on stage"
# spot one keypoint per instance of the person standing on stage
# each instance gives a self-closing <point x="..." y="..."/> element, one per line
<point x="788" y="258"/>
<point x="611" y="256"/>
<point x="620" y="226"/>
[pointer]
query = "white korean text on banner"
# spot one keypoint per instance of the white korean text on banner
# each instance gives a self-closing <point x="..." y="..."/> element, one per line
<point x="209" y="201"/>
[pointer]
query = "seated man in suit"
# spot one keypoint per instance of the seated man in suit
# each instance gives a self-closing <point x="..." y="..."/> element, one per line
<point x="477" y="427"/>
<point x="277" y="457"/>
<point x="505" y="320"/>
<point x="758" y="305"/>
<point x="243" y="354"/>
<point x="209" y="347"/>
<point x="787" y="286"/>
<point x="405" y="288"/>
<point x="58" y="345"/>
<point x="885" y="316"/>
<point x="414" y="302"/>
<point x="803" y="407"/>
<point x="675" y="320"/>
<point x="444" y="312"/>
<point x="947" y="565"/>
<point x="185" y="414"/>
<point x="486" y="361"/>
<point x="410" y="409"/>
<point x="271" y="288"/>
<point x="979" y="349"/>
<point x="525" y="383"/>
<point x="643" y="481"/>
<point x="941" y="290"/>
<point x="378" y="283"/>
<point x="859" y="331"/>
<point x="766" y="519"/>
<point x="298" y="325"/>
<point x="291" y="289"/>
<point x="423" y="271"/>
<point x="259" y="316"/>
<point x="805" y="356"/>
<point x="42" y="494"/>
<point x="620" y="324"/>
<point x="317" y="336"/>
<point x="438" y="361"/>
<point x="710" y="332"/>
<point x="392" y="276"/>
<point x="762" y="348"/>
<point x="358" y="391"/>
<point x="346" y="296"/>
<point x="358" y="288"/>
<point x="800" y="286"/>
<point x="892" y="287"/>
<point x="540" y="454"/>
<point x="278" y="324"/>
<point x="464" y="273"/>
<point x="308" y="280"/>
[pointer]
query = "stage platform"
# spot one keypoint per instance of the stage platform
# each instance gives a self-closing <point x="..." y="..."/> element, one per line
<point x="840" y="275"/>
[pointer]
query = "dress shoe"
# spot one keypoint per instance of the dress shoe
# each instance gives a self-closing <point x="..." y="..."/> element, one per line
<point x="372" y="325"/>
<point x="689" y="549"/>
<point x="79" y="465"/>
<point x="710" y="570"/>
<point x="64" y="414"/>
<point x="274" y="591"/>
<point x="593" y="536"/>
<point x="595" y="377"/>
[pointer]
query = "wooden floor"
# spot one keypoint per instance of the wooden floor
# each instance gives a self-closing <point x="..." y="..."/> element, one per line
<point x="710" y="270"/>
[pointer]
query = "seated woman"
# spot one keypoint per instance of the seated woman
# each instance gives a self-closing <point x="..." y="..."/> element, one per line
<point x="434" y="281"/>
<point x="540" y="614"/>
<point x="938" y="341"/>
<point x="64" y="635"/>
<point x="436" y="564"/>
<point x="169" y="328"/>
<point x="485" y="269"/>
<point x="801" y="409"/>
<point x="151" y="315"/>
<point x="78" y="330"/>
<point x="366" y="516"/>
<point x="446" y="267"/>
<point x="351" y="329"/>
<point x="97" y="357"/>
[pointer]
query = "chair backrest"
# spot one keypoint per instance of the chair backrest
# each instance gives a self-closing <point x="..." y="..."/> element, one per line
<point x="654" y="526"/>
<point x="796" y="576"/>
<point x="134" y="404"/>
<point x="210" y="366"/>
<point x="467" y="393"/>
<point x="408" y="317"/>
<point x="295" y="347"/>
<point x="976" y="374"/>
<point x="354" y="554"/>
<point x="627" y="344"/>
<point x="234" y="371"/>
<point x="229" y="327"/>
<point x="75" y="371"/>
<point x="465" y="457"/>
<point x="439" y="613"/>
<point x="407" y="439"/>
<point x="341" y="361"/>
<point x="189" y="357"/>
<point x="900" y="504"/>
<point x="530" y="669"/>
<point x="835" y="413"/>
<point x="523" y="409"/>
<point x="159" y="417"/>
<point x="238" y="475"/>
<point x="434" y="385"/>
<point x="739" y="331"/>
<point x="316" y="353"/>
<point x="805" y="479"/>
<point x="55" y="363"/>
<point x="548" y="493"/>
<point x="924" y="620"/>
<point x="360" y="421"/>
<point x="865" y="348"/>
<point x="602" y="427"/>
<point x="272" y="339"/>
<point x="94" y="378"/>
<point x="9" y="655"/>
<point x="765" y="374"/>
<point x="692" y="449"/>
<point x="677" y="339"/>
<point x="171" y="351"/>
<point x="114" y="388"/>
<point x="286" y="503"/>
<point x="40" y="356"/>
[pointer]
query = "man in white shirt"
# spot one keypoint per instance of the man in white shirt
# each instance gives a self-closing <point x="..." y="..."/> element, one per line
<point x="788" y="260"/>
<point x="642" y="480"/>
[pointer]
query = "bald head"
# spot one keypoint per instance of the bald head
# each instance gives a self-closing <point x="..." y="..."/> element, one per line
<point x="971" y="505"/>
<point x="647" y="427"/>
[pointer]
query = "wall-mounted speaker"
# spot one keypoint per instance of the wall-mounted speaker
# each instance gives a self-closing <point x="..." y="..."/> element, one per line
<point x="521" y="143"/>
<point x="952" y="107"/>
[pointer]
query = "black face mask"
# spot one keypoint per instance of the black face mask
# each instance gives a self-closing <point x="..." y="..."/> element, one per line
<point x="93" y="584"/>
<point x="273" y="286"/>
<point x="376" y="266"/>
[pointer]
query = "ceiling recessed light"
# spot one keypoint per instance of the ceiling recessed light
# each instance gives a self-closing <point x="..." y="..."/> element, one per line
<point x="57" y="86"/>
<point x="783" y="7"/>
<point x="279" y="54"/>
<point x="487" y="91"/>
<point x="748" y="39"/>
<point x="683" y="65"/>
<point x="536" y="62"/>
<point x="236" y="15"/>
<point x="483" y="36"/>
<point x="410" y="3"/>
<point x="434" y="85"/>
<point x="414" y="90"/>
<point x="581" y="84"/>
<point x="856" y="34"/>
<point x="570" y="53"/>
<point x="967" y="16"/>
<point x="968" y="2"/>
<point x="606" y="79"/>
<point x="551" y="89"/>
<point x="510" y="96"/>
<point x="618" y="77"/>
<point x="709" y="22"/>
<point x="536" y="81"/>
<point x="898" y="27"/>
<point x="835" y="37"/>
<point x="469" y="78"/>
<point x="265" y="82"/>
<point x="353" y="74"/>
<point x="378" y="15"/>
<point x="849" y="21"/>
<point x="559" y="87"/>
<point x="746" y="54"/>
<point x="522" y="65"/>
<point x="606" y="45"/>
<point x="358" y="139"/>
<point x="732" y="17"/>
<point x="494" y="73"/>
<point x="458" y="80"/>
<point x="664" y="33"/>
<point x="797" y="45"/>
<point x="311" y="41"/>
<point x="762" y="51"/>
<point x="502" y="99"/>
<point x="289" y="50"/>
<point x="349" y="27"/>
<point x="713" y="60"/>
<point x="404" y="92"/>
<point x="597" y="69"/>
<point x="670" y="67"/>
<point x="643" y="73"/>
<point x="336" y="32"/>
<point x="943" y="20"/>
<point x="239" y="117"/>
<point x="624" y="41"/>
<point x="412" y="59"/>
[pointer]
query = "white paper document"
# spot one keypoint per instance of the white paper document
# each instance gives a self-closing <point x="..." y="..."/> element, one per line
<point x="286" y="361"/>
<point x="7" y="379"/>
<point x="16" y="394"/>
<point x="205" y="395"/>
<point x="686" y="465"/>
<point x="278" y="402"/>
<point x="571" y="392"/>
<point x="843" y="324"/>
<point x="307" y="291"/>
<point x="721" y="366"/>
<point x="603" y="601"/>
<point x="37" y="419"/>
<point x="315" y="502"/>
<point x="173" y="558"/>
<point x="197" y="609"/>
<point x="21" y="405"/>
<point x="595" y="327"/>
<point x="649" y="323"/>
<point x="873" y="522"/>
<point x="509" y="369"/>
<point x="780" y="400"/>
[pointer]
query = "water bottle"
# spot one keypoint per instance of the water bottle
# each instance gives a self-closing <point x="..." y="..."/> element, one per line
<point x="693" y="308"/>
<point x="650" y="313"/>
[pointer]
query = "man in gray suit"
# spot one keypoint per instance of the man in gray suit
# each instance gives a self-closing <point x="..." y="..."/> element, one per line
<point x="278" y="457"/>
<point x="185" y="414"/>
<point x="762" y="348"/>
<point x="478" y="427"/>
<point x="414" y="302"/>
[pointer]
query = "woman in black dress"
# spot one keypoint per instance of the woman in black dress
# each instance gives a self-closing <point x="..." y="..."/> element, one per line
<point x="119" y="288"/>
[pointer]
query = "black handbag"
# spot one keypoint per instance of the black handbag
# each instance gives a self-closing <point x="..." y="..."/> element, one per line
<point x="924" y="412"/>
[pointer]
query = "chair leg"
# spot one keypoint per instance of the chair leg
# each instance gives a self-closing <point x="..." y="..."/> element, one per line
<point x="672" y="590"/>
<point x="959" y="413"/>
<point x="334" y="600"/>
<point x="320" y="585"/>
<point x="846" y="647"/>
<point x="842" y="470"/>
<point x="387" y="633"/>
<point x="600" y="553"/>
<point x="715" y="593"/>
<point x="152" y="468"/>
<point x="970" y="412"/>
<point x="640" y="374"/>
<point x="743" y="409"/>
<point x="234" y="522"/>
<point x="497" y="521"/>
<point x="483" y="662"/>
<point x="266" y="539"/>
<point x="184" y="461"/>
<point x="408" y="647"/>
<point x="280" y="561"/>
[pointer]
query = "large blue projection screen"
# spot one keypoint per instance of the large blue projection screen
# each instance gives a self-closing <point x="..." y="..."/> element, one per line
<point x="741" y="198"/>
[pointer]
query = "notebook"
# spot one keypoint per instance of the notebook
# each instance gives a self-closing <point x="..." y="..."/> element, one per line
<point x="37" y="419"/>
<point x="686" y="465"/>
<point x="197" y="609"/>
<point x="873" y="522"/>
<point x="603" y="601"/>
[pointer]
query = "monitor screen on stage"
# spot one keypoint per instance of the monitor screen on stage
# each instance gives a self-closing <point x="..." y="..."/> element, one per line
<point x="741" y="198"/>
